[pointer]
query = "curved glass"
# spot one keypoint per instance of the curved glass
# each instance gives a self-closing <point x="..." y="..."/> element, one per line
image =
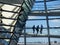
<point x="51" y="5"/>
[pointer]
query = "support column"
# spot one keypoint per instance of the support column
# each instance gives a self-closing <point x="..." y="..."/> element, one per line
<point x="24" y="36"/>
<point x="47" y="22"/>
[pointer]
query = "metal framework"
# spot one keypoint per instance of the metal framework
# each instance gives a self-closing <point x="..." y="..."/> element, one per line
<point x="18" y="18"/>
<point x="46" y="13"/>
<point x="12" y="37"/>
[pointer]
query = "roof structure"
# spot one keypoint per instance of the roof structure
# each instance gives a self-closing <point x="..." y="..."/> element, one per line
<point x="29" y="20"/>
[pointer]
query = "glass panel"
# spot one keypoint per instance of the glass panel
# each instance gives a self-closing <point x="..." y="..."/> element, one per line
<point x="55" y="31"/>
<point x="36" y="17"/>
<point x="38" y="6"/>
<point x="54" y="17"/>
<point x="21" y="39"/>
<point x="25" y="7"/>
<point x="39" y="0"/>
<point x="31" y="2"/>
<point x="54" y="23"/>
<point x="35" y="40"/>
<point x="22" y="18"/>
<point x="5" y="35"/>
<point x="53" y="4"/>
<point x="55" y="41"/>
<point x="12" y="42"/>
<point x="27" y="3"/>
<point x="6" y="31"/>
<point x="4" y="42"/>
<point x="31" y="23"/>
<point x="30" y="31"/>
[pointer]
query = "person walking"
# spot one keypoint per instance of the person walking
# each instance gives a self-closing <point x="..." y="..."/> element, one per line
<point x="41" y="29"/>
<point x="37" y="29"/>
<point x="33" y="28"/>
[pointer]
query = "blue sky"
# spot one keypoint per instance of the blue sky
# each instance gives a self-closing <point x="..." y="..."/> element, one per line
<point x="52" y="23"/>
<point x="50" y="5"/>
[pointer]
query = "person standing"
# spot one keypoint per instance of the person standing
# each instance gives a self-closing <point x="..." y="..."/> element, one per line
<point x="37" y="29"/>
<point x="41" y="29"/>
<point x="33" y="28"/>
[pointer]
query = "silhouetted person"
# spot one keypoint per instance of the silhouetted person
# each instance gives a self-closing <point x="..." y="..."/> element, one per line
<point x="33" y="28"/>
<point x="41" y="29"/>
<point x="37" y="29"/>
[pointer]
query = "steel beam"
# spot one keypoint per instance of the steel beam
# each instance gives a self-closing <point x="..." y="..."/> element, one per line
<point x="40" y="35"/>
<point x="44" y="14"/>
